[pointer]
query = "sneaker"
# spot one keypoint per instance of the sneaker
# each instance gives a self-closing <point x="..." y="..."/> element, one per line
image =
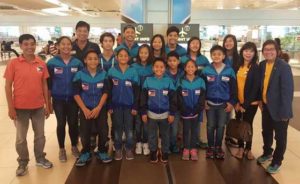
<point x="210" y="152"/>
<point x="153" y="156"/>
<point x="84" y="158"/>
<point x="219" y="153"/>
<point x="44" y="163"/>
<point x="118" y="155"/>
<point x="264" y="158"/>
<point x="103" y="156"/>
<point x="273" y="169"/>
<point x="129" y="155"/>
<point x="146" y="150"/>
<point x="75" y="151"/>
<point x="194" y="154"/>
<point x="62" y="155"/>
<point x="138" y="148"/>
<point x="21" y="170"/>
<point x="164" y="157"/>
<point x="186" y="154"/>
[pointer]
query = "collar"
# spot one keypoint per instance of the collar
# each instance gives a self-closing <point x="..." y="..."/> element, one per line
<point x="22" y="59"/>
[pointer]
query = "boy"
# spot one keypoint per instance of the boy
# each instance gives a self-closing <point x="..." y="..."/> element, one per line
<point x="172" y="42"/>
<point x="107" y="58"/>
<point x="27" y="98"/>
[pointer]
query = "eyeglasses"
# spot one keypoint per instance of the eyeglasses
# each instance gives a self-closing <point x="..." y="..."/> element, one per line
<point x="269" y="49"/>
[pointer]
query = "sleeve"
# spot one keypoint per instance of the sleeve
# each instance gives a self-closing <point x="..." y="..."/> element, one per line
<point x="51" y="74"/>
<point x="255" y="84"/>
<point x="180" y="99"/>
<point x="201" y="102"/>
<point x="172" y="99"/>
<point x="260" y="68"/>
<point x="9" y="71"/>
<point x="106" y="86"/>
<point x="77" y="84"/>
<point x="287" y="92"/>
<point x="233" y="89"/>
<point x="144" y="98"/>
<point x="80" y="66"/>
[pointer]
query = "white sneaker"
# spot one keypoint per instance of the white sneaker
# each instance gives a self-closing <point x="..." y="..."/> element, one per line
<point x="146" y="150"/>
<point x="138" y="148"/>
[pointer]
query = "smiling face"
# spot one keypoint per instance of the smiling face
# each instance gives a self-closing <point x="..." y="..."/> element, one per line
<point x="172" y="38"/>
<point x="157" y="43"/>
<point x="129" y="34"/>
<point x="194" y="46"/>
<point x="65" y="46"/>
<point x="82" y="33"/>
<point x="107" y="43"/>
<point x="123" y="57"/>
<point x="159" y="68"/>
<point x="248" y="55"/>
<point x="190" y="68"/>
<point x="28" y="47"/>
<point x="217" y="56"/>
<point x="229" y="43"/>
<point x="269" y="52"/>
<point x="144" y="54"/>
<point x="91" y="61"/>
<point x="173" y="62"/>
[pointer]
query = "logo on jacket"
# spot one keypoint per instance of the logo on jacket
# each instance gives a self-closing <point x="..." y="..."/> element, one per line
<point x="74" y="69"/>
<point x="100" y="85"/>
<point x="211" y="78"/>
<point x="39" y="69"/>
<point x="58" y="70"/>
<point x="197" y="92"/>
<point x="165" y="92"/>
<point x="115" y="82"/>
<point x="85" y="86"/>
<point x="184" y="93"/>
<point x="225" y="79"/>
<point x="151" y="92"/>
<point x="128" y="83"/>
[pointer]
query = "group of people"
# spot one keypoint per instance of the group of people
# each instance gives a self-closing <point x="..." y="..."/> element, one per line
<point x="6" y="47"/>
<point x="148" y="91"/>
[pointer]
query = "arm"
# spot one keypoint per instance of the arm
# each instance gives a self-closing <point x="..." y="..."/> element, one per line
<point x="201" y="102"/>
<point x="136" y="95"/>
<point x="254" y="88"/>
<point x="85" y="110"/>
<point x="8" y="92"/>
<point x="95" y="112"/>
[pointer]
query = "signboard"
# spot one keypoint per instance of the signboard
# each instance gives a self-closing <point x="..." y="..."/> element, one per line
<point x="144" y="32"/>
<point x="186" y="31"/>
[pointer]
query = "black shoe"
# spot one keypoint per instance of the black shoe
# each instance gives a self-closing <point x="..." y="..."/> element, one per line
<point x="153" y="157"/>
<point x="164" y="157"/>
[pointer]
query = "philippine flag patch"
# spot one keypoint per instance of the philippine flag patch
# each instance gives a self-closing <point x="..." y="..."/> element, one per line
<point x="211" y="78"/>
<point x="151" y="92"/>
<point x="39" y="69"/>
<point x="184" y="93"/>
<point x="85" y="86"/>
<point x="58" y="70"/>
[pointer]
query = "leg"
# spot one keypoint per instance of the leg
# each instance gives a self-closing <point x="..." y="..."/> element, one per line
<point x="267" y="131"/>
<point x="72" y="118"/>
<point x="164" y="132"/>
<point x="221" y="122"/>
<point x="281" y="141"/>
<point x="128" y="126"/>
<point x="194" y="133"/>
<point x="186" y="133"/>
<point x="22" y="124"/>
<point x="174" y="131"/>
<point x="38" y="122"/>
<point x="103" y="130"/>
<point x="60" y="109"/>
<point x="249" y="117"/>
<point x="117" y="121"/>
<point x="152" y="134"/>
<point x="138" y="128"/>
<point x="211" y="126"/>
<point x="85" y="132"/>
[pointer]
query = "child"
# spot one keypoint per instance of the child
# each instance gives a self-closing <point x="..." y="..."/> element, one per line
<point x="143" y="67"/>
<point x="221" y="97"/>
<point x="129" y="43"/>
<point x="107" y="58"/>
<point x="191" y="100"/>
<point x="175" y="74"/>
<point x="123" y="102"/>
<point x="91" y="92"/>
<point x="231" y="51"/>
<point x="172" y="42"/>
<point x="157" y="45"/>
<point x="158" y="106"/>
<point x="27" y="98"/>
<point x="193" y="52"/>
<point x="62" y="68"/>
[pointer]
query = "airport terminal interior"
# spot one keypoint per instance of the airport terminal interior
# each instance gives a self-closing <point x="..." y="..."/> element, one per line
<point x="211" y="20"/>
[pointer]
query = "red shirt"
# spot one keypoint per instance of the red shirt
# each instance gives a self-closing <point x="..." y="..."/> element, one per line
<point x="27" y="82"/>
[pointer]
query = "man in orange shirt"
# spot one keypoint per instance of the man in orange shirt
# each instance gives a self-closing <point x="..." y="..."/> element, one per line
<point x="27" y="98"/>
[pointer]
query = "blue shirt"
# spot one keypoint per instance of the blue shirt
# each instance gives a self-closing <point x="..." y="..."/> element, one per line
<point x="179" y="50"/>
<point x="106" y="65"/>
<point x="201" y="62"/>
<point x="133" y="52"/>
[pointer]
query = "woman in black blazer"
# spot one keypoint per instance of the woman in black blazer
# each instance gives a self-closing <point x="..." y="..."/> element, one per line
<point x="248" y="90"/>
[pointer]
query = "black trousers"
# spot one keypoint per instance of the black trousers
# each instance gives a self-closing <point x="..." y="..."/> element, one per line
<point x="88" y="126"/>
<point x="269" y="126"/>
<point x="248" y="116"/>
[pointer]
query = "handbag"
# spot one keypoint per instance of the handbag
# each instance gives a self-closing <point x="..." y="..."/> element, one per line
<point x="239" y="129"/>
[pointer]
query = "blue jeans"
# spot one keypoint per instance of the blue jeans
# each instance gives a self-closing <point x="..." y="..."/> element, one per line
<point x="190" y="135"/>
<point x="163" y="126"/>
<point x="198" y="128"/>
<point x="122" y="120"/>
<point x="174" y="129"/>
<point x="216" y="121"/>
<point x="141" y="130"/>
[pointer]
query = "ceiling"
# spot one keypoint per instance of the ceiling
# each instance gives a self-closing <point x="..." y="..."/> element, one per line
<point x="98" y="7"/>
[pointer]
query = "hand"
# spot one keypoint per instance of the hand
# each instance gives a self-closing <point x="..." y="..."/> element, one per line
<point x="12" y="114"/>
<point x="242" y="109"/>
<point x="110" y="111"/>
<point x="134" y="112"/>
<point x="206" y="106"/>
<point x="53" y="50"/>
<point x="86" y="113"/>
<point x="229" y="107"/>
<point x="171" y="119"/>
<point x="144" y="118"/>
<point x="47" y="112"/>
<point x="95" y="112"/>
<point x="260" y="105"/>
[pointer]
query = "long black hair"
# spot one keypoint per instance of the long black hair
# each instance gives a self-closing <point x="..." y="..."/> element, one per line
<point x="246" y="46"/>
<point x="162" y="50"/>
<point x="190" y="41"/>
<point x="150" y="56"/>
<point x="235" y="54"/>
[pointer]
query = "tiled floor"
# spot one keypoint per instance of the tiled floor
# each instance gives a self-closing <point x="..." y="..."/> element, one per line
<point x="289" y="173"/>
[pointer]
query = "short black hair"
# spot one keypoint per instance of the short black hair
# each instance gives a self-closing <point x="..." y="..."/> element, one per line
<point x="123" y="48"/>
<point x="60" y="39"/>
<point x="129" y="26"/>
<point x="173" y="54"/>
<point x="172" y="29"/>
<point x="90" y="51"/>
<point x="217" y="47"/>
<point x="82" y="24"/>
<point x="26" y="37"/>
<point x="271" y="42"/>
<point x="107" y="34"/>
<point x="159" y="59"/>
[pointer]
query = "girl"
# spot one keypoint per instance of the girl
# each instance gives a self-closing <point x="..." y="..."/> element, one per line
<point x="231" y="51"/>
<point x="107" y="58"/>
<point x="221" y="97"/>
<point x="157" y="45"/>
<point x="91" y="87"/>
<point x="143" y="67"/>
<point x="158" y="106"/>
<point x="62" y="69"/>
<point x="248" y="91"/>
<point x="123" y="102"/>
<point x="191" y="100"/>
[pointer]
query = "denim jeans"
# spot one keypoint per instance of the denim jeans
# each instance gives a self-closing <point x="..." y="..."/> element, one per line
<point x="141" y="130"/>
<point x="216" y="121"/>
<point x="269" y="126"/>
<point x="88" y="126"/>
<point x="66" y="111"/>
<point x="174" y="129"/>
<point x="163" y="126"/>
<point x="198" y="128"/>
<point x="122" y="120"/>
<point x="190" y="135"/>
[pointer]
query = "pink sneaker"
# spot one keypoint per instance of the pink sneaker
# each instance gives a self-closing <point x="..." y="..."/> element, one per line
<point x="194" y="154"/>
<point x="186" y="154"/>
